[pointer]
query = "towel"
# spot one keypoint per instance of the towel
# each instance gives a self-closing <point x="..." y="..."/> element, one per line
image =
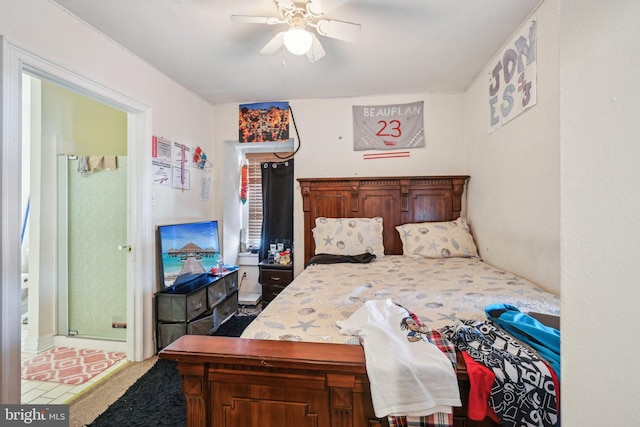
<point x="102" y="162"/>
<point x="83" y="165"/>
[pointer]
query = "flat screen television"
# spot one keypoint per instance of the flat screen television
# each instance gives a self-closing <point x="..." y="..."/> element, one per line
<point x="187" y="251"/>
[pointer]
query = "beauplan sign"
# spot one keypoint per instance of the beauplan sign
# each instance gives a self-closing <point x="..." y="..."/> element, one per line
<point x="512" y="82"/>
<point x="388" y="127"/>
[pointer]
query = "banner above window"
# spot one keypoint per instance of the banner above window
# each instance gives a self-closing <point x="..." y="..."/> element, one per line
<point x="388" y="127"/>
<point x="264" y="122"/>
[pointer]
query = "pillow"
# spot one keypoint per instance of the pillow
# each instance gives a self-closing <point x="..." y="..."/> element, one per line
<point x="437" y="240"/>
<point x="349" y="236"/>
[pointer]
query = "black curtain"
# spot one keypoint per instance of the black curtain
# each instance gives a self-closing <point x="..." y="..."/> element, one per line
<point x="277" y="205"/>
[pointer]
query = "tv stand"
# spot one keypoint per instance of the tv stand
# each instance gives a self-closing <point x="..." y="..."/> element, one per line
<point x="197" y="307"/>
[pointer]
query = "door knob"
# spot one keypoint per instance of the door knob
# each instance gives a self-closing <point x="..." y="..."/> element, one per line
<point x="124" y="248"/>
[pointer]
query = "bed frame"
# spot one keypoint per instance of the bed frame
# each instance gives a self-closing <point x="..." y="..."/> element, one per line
<point x="236" y="382"/>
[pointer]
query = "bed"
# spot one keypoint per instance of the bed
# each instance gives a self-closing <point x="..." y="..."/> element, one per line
<point x="292" y="366"/>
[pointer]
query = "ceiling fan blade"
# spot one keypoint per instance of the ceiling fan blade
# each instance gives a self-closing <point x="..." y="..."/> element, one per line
<point x="270" y="20"/>
<point x="286" y="4"/>
<point x="274" y="44"/>
<point x="317" y="51"/>
<point x="320" y="7"/>
<point x="346" y="31"/>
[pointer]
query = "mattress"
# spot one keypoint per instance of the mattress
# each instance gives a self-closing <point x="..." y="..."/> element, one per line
<point x="438" y="291"/>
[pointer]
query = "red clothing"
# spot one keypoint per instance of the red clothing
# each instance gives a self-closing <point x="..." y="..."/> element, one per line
<point x="481" y="379"/>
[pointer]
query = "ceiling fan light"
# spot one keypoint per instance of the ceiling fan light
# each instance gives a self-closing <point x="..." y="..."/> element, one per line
<point x="298" y="40"/>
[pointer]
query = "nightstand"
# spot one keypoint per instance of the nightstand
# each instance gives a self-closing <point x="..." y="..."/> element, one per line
<point x="274" y="278"/>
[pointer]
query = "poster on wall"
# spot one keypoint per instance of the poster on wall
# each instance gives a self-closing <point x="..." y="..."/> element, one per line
<point x="264" y="122"/>
<point x="161" y="160"/>
<point x="388" y="127"/>
<point x="512" y="80"/>
<point x="181" y="177"/>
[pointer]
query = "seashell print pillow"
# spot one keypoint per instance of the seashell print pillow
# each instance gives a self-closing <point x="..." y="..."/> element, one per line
<point x="437" y="239"/>
<point x="348" y="236"/>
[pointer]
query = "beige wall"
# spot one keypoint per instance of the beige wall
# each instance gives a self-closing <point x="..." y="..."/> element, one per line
<point x="514" y="191"/>
<point x="600" y="195"/>
<point x="83" y="126"/>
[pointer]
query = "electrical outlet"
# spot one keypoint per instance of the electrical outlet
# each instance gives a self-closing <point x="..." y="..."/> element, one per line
<point x="244" y="274"/>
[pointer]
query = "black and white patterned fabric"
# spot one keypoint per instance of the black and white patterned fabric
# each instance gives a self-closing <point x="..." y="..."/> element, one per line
<point x="523" y="394"/>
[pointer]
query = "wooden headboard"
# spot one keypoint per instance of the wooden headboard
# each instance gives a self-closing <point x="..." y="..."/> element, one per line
<point x="398" y="200"/>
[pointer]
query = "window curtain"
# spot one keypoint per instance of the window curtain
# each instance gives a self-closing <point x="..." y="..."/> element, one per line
<point x="277" y="204"/>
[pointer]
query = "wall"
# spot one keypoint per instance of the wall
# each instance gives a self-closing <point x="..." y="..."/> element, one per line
<point x="513" y="172"/>
<point x="326" y="134"/>
<point x="83" y="126"/>
<point x="173" y="112"/>
<point x="600" y="195"/>
<point x="514" y="191"/>
<point x="178" y="114"/>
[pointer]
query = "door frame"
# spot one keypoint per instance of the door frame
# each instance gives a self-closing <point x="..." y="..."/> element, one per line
<point x="14" y="60"/>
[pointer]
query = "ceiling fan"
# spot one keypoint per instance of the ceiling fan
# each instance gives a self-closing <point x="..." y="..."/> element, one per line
<point x="298" y="39"/>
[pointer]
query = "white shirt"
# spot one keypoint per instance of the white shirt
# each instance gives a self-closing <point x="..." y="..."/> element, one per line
<point x="407" y="378"/>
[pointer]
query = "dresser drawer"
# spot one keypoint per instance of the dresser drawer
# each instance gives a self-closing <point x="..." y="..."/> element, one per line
<point x="201" y="326"/>
<point x="169" y="332"/>
<point x="231" y="283"/>
<point x="222" y="311"/>
<point x="269" y="292"/>
<point x="275" y="277"/>
<point x="181" y="308"/>
<point x="216" y="293"/>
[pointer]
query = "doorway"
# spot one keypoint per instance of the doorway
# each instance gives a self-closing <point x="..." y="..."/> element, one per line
<point x="78" y="241"/>
<point x="140" y="260"/>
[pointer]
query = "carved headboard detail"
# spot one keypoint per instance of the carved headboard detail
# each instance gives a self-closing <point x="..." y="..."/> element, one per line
<point x="398" y="200"/>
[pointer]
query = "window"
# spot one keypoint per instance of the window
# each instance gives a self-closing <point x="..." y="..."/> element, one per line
<point x="254" y="194"/>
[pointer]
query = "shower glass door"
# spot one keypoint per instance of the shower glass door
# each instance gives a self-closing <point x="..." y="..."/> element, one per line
<point x="96" y="268"/>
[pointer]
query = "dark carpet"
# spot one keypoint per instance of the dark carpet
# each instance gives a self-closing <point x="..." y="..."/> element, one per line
<point x="156" y="399"/>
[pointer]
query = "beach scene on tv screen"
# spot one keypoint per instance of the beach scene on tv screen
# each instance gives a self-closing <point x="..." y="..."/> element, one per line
<point x="188" y="251"/>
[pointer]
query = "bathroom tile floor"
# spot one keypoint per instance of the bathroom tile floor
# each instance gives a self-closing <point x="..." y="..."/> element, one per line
<point x="44" y="392"/>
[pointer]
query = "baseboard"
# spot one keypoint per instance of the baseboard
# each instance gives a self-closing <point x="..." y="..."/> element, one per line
<point x="35" y="345"/>
<point x="90" y="343"/>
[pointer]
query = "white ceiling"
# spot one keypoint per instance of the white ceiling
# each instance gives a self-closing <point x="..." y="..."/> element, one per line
<point x="405" y="46"/>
